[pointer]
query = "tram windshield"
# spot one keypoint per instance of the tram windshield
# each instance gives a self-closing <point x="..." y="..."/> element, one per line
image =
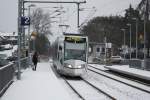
<point x="75" y="51"/>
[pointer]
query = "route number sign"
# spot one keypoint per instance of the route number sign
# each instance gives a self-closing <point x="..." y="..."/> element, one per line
<point x="25" y="21"/>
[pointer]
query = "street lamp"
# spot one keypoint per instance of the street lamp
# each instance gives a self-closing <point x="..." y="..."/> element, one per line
<point x="130" y="38"/>
<point x="124" y="40"/>
<point x="136" y="19"/>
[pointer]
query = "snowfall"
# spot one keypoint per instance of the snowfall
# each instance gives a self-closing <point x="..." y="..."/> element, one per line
<point x="43" y="84"/>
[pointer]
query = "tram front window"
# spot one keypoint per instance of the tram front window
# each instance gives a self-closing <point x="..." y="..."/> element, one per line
<point x="75" y="51"/>
<point x="75" y="54"/>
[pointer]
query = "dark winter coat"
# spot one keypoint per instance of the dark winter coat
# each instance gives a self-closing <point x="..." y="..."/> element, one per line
<point x="35" y="58"/>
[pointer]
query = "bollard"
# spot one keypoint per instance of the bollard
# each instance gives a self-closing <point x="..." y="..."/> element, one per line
<point x="143" y="64"/>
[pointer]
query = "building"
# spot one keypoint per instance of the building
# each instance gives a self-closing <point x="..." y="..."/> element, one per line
<point x="8" y="38"/>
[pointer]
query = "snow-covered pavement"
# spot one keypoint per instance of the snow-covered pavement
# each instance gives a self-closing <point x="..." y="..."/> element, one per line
<point x="37" y="85"/>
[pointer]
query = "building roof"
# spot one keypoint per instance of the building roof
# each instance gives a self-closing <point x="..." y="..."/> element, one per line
<point x="8" y="34"/>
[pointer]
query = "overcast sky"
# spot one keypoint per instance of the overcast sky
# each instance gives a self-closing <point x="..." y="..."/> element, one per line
<point x="8" y="11"/>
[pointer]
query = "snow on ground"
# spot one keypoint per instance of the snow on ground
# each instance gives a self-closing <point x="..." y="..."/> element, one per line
<point x="116" y="89"/>
<point x="86" y="91"/>
<point x="144" y="87"/>
<point x="126" y="69"/>
<point x="37" y="85"/>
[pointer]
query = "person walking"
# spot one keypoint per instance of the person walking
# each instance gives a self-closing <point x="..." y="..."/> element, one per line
<point x="35" y="60"/>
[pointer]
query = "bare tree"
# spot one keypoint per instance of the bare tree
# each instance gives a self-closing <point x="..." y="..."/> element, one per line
<point x="41" y="22"/>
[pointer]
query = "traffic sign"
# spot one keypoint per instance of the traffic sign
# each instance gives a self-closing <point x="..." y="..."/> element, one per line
<point x="25" y="20"/>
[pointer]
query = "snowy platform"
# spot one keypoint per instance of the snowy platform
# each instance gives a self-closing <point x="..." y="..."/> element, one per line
<point x="37" y="85"/>
<point x="143" y="74"/>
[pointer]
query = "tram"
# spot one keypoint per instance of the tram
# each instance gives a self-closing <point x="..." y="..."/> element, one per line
<point x="70" y="54"/>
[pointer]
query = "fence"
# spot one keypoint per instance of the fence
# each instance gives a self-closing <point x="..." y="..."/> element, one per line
<point x="140" y="64"/>
<point x="6" y="77"/>
<point x="7" y="73"/>
<point x="24" y="63"/>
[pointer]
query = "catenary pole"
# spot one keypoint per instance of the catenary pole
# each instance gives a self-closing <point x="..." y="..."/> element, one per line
<point x="136" y="38"/>
<point x="19" y="36"/>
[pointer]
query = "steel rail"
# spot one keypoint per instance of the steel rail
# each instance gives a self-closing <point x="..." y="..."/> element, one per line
<point x="74" y="89"/>
<point x="101" y="91"/>
<point x="131" y="79"/>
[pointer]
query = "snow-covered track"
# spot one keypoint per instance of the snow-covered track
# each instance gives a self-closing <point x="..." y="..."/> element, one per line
<point x="128" y="77"/>
<point x="74" y="89"/>
<point x="99" y="90"/>
<point x="130" y="83"/>
<point x="87" y="91"/>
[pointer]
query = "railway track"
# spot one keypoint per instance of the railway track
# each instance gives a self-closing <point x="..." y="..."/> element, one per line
<point x="128" y="77"/>
<point x="120" y="79"/>
<point x="87" y="91"/>
<point x="82" y="96"/>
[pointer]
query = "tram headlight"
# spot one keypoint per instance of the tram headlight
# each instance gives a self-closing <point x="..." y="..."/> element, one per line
<point x="81" y="66"/>
<point x="68" y="65"/>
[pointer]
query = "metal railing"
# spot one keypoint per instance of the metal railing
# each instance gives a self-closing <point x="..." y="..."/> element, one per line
<point x="8" y="72"/>
<point x="24" y="63"/>
<point x="6" y="77"/>
<point x="147" y="65"/>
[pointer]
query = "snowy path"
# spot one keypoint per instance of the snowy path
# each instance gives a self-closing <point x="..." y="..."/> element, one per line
<point x="37" y="85"/>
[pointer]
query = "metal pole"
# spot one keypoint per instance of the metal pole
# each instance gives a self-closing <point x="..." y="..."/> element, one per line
<point x="136" y="38"/>
<point x="124" y="37"/>
<point x="130" y="41"/>
<point x="144" y="38"/>
<point x="23" y="28"/>
<point x="124" y="40"/>
<point x="146" y="16"/>
<point x="29" y="38"/>
<point x="144" y="49"/>
<point x="78" y="15"/>
<point x="19" y="36"/>
<point x="105" y="40"/>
